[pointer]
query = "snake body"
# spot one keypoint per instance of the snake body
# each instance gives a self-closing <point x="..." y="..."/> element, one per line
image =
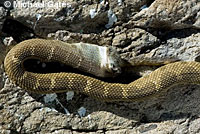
<point x="48" y="50"/>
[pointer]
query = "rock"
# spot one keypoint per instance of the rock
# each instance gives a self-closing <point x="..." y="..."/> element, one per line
<point x="1" y="78"/>
<point x="146" y="32"/>
<point x="2" y="17"/>
<point x="120" y="40"/>
<point x="164" y="14"/>
<point x="148" y="48"/>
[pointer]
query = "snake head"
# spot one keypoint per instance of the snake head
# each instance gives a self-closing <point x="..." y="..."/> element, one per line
<point x="115" y="62"/>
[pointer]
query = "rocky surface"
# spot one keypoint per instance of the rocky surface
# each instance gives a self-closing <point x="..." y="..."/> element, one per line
<point x="176" y="14"/>
<point x="142" y="30"/>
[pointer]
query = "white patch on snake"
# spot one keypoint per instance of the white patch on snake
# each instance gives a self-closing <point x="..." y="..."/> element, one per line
<point x="103" y="56"/>
<point x="24" y="75"/>
<point x="16" y="60"/>
<point x="106" y="91"/>
<point x="157" y="83"/>
<point x="51" y="53"/>
<point x="79" y="63"/>
<point x="71" y="83"/>
<point x="124" y="92"/>
<point x="88" y="86"/>
<point x="53" y="83"/>
<point x="32" y="50"/>
<point x="37" y="84"/>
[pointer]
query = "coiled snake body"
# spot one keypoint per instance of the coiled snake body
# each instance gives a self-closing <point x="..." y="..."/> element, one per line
<point x="154" y="83"/>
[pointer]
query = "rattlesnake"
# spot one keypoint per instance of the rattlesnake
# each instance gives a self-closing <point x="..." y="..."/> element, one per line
<point x="50" y="50"/>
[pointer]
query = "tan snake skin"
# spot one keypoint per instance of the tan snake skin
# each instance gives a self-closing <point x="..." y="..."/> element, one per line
<point x="158" y="81"/>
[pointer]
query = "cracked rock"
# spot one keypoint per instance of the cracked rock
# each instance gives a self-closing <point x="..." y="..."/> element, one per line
<point x="146" y="33"/>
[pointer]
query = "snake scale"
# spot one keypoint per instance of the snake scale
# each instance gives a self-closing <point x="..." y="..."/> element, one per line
<point x="49" y="50"/>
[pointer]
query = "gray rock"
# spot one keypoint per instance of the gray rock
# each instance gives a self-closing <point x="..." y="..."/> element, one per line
<point x="145" y="32"/>
<point x="166" y="14"/>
